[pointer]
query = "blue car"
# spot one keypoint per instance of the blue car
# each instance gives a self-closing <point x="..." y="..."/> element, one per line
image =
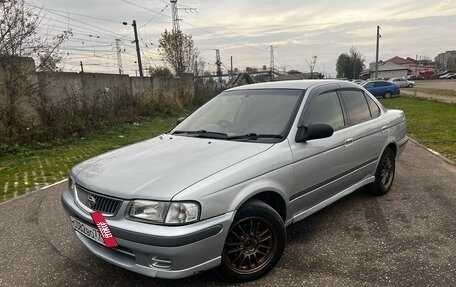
<point x="380" y="88"/>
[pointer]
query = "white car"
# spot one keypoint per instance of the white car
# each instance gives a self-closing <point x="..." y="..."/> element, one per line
<point x="402" y="83"/>
<point x="448" y="76"/>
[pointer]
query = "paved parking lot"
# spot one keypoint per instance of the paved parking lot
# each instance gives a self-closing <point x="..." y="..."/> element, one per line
<point x="437" y="84"/>
<point x="406" y="238"/>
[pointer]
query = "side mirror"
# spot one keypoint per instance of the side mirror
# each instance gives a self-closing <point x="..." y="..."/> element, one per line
<point x="181" y="119"/>
<point x="313" y="132"/>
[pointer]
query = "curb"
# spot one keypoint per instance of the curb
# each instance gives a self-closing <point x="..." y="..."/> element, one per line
<point x="437" y="154"/>
<point x="32" y="192"/>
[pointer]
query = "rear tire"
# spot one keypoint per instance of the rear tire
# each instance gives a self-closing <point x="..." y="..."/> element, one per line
<point x="384" y="175"/>
<point x="387" y="95"/>
<point x="254" y="244"/>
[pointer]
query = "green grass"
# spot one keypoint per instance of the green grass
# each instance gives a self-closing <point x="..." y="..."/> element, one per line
<point x="429" y="122"/>
<point x="448" y="93"/>
<point x="27" y="171"/>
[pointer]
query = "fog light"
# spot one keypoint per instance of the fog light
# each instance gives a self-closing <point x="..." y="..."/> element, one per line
<point x="160" y="262"/>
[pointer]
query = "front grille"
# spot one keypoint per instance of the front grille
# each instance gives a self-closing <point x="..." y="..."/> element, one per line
<point x="96" y="202"/>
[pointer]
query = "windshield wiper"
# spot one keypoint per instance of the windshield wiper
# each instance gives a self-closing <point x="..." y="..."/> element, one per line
<point x="203" y="134"/>
<point x="254" y="136"/>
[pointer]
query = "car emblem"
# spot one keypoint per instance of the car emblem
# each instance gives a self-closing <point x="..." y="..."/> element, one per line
<point x="91" y="200"/>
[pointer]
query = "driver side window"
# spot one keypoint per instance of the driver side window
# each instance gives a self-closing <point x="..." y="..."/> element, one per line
<point x="326" y="108"/>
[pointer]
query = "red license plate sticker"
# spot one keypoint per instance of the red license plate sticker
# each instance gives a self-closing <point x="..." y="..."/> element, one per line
<point x="104" y="229"/>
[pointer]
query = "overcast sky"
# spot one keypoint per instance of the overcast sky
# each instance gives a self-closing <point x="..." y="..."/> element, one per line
<point x="246" y="29"/>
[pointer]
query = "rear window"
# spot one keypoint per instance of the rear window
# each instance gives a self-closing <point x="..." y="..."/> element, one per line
<point x="374" y="109"/>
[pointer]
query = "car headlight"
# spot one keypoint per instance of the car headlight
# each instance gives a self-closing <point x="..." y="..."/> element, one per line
<point x="173" y="213"/>
<point x="71" y="185"/>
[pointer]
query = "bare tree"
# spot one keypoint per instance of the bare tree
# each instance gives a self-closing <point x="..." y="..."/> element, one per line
<point x="20" y="40"/>
<point x="178" y="51"/>
<point x="312" y="64"/>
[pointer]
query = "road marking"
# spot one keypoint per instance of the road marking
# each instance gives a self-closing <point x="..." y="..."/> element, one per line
<point x="54" y="184"/>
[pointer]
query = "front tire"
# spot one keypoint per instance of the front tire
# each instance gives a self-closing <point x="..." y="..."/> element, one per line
<point x="254" y="244"/>
<point x="384" y="175"/>
<point x="387" y="95"/>
<point x="410" y="85"/>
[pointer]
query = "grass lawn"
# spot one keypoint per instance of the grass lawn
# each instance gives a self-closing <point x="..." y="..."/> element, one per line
<point x="33" y="169"/>
<point x="429" y="122"/>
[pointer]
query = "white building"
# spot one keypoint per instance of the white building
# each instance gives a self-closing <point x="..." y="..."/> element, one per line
<point x="388" y="70"/>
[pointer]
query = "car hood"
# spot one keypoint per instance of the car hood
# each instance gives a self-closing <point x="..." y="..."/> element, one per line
<point x="161" y="167"/>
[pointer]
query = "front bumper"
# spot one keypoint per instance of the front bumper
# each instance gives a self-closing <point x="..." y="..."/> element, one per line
<point x="170" y="252"/>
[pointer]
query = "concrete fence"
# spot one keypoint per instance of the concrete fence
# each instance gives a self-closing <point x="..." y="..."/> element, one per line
<point x="58" y="86"/>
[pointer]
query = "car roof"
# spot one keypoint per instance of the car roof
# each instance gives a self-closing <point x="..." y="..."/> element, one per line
<point x="376" y="81"/>
<point x="294" y="84"/>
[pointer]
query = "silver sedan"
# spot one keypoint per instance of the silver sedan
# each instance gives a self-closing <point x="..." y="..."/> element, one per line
<point x="219" y="190"/>
<point x="403" y="83"/>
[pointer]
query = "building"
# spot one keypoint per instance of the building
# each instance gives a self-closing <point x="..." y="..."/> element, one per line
<point x="447" y="60"/>
<point x="414" y="65"/>
<point x="387" y="70"/>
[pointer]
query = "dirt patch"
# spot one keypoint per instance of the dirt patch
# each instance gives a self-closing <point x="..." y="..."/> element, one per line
<point x="439" y="98"/>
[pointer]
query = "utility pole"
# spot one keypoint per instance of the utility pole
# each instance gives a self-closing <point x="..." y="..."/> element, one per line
<point x="271" y="62"/>
<point x="119" y="56"/>
<point x="138" y="52"/>
<point x="231" y="68"/>
<point x="218" y="63"/>
<point x="196" y="68"/>
<point x="376" y="53"/>
<point x="175" y="15"/>
<point x="82" y="67"/>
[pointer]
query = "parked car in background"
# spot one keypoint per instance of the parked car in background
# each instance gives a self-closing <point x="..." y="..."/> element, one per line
<point x="448" y="76"/>
<point x="220" y="188"/>
<point x="381" y="88"/>
<point x="358" y="82"/>
<point x="415" y="78"/>
<point x="438" y="75"/>
<point x="402" y="83"/>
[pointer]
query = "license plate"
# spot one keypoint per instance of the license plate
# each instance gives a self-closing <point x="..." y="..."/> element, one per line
<point x="87" y="230"/>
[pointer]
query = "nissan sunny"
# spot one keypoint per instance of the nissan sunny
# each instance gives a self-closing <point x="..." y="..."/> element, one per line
<point x="219" y="189"/>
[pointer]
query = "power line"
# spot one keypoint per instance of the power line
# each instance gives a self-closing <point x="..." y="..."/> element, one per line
<point x="72" y="13"/>
<point x="105" y="31"/>
<point x="155" y="16"/>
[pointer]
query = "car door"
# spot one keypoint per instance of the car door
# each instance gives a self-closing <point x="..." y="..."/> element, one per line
<point x="369" y="129"/>
<point x="320" y="165"/>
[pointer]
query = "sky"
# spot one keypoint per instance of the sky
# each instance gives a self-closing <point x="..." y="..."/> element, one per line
<point x="245" y="30"/>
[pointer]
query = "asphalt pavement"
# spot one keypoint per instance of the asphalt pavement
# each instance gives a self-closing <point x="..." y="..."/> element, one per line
<point x="437" y="84"/>
<point x="406" y="238"/>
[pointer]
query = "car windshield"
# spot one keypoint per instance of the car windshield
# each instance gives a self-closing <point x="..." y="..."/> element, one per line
<point x="245" y="115"/>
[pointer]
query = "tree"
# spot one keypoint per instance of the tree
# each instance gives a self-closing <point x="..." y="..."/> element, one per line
<point x="178" y="51"/>
<point x="350" y="65"/>
<point x="312" y="64"/>
<point x="163" y="72"/>
<point x="20" y="40"/>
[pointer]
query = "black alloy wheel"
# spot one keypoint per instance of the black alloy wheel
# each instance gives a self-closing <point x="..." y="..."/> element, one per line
<point x="384" y="174"/>
<point x="254" y="244"/>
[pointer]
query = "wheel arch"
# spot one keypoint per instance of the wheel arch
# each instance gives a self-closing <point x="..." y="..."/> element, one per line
<point x="273" y="199"/>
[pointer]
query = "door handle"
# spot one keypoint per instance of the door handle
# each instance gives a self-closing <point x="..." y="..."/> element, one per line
<point x="384" y="129"/>
<point x="348" y="141"/>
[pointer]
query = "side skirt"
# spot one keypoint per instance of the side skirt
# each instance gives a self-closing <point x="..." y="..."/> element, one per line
<point x="330" y="200"/>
